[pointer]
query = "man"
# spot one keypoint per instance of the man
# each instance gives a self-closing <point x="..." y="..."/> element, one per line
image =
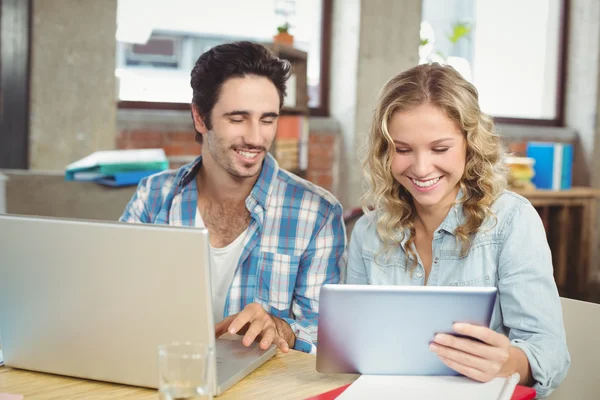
<point x="275" y="238"/>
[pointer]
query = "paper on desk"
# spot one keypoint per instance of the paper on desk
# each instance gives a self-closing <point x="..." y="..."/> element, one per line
<point x="428" y="388"/>
<point x="8" y="396"/>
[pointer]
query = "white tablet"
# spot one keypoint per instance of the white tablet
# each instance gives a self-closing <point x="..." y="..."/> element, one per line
<point x="386" y="330"/>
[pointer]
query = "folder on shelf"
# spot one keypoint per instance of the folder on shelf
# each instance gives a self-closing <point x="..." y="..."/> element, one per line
<point x="124" y="178"/>
<point x="117" y="167"/>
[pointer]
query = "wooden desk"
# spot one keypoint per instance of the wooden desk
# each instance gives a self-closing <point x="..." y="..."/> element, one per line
<point x="285" y="376"/>
<point x="569" y="217"/>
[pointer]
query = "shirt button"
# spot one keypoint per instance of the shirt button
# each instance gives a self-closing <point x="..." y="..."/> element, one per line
<point x="419" y="275"/>
<point x="436" y="260"/>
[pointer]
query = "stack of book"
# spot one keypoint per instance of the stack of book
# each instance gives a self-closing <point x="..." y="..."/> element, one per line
<point x="520" y="172"/>
<point x="291" y="142"/>
<point x="118" y="167"/>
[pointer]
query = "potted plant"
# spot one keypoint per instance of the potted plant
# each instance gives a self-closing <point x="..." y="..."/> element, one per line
<point x="283" y="37"/>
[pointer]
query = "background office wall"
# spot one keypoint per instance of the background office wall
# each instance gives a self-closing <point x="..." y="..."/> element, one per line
<point x="582" y="100"/>
<point x="583" y="96"/>
<point x="73" y="93"/>
<point x="72" y="98"/>
<point x="372" y="40"/>
<point x="73" y="109"/>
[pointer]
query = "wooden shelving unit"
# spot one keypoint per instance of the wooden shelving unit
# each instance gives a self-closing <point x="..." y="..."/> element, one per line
<point x="569" y="217"/>
<point x="291" y="142"/>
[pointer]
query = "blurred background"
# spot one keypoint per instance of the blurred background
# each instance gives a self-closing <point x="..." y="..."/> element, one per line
<point x="82" y="76"/>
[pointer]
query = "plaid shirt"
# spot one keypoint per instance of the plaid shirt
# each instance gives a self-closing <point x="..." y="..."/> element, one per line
<point x="296" y="240"/>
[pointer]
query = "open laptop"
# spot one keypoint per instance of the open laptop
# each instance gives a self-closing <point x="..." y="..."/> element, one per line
<point x="386" y="330"/>
<point x="95" y="300"/>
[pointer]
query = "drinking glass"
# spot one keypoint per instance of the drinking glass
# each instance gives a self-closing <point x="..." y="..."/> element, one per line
<point x="185" y="371"/>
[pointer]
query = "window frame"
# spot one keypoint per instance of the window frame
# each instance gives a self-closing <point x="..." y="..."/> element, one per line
<point x="321" y="111"/>
<point x="15" y="70"/>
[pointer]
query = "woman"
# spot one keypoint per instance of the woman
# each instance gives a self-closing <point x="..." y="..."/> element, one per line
<point x="441" y="216"/>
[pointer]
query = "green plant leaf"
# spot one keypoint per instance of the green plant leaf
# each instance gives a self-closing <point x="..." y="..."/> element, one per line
<point x="459" y="31"/>
<point x="283" y="28"/>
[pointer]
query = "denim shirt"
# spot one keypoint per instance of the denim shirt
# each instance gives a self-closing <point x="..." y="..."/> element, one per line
<point x="509" y="252"/>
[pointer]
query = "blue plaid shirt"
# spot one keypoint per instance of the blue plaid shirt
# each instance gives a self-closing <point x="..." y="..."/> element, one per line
<point x="296" y="240"/>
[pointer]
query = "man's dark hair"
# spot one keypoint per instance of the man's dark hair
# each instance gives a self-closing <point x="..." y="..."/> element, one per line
<point x="233" y="60"/>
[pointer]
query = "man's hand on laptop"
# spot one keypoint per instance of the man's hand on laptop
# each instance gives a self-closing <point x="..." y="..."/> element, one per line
<point x="256" y="324"/>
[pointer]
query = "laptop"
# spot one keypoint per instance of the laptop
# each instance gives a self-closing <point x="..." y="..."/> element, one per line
<point x="94" y="300"/>
<point x="386" y="330"/>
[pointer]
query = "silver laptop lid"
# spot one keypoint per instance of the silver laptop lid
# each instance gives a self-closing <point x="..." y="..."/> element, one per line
<point x="95" y="299"/>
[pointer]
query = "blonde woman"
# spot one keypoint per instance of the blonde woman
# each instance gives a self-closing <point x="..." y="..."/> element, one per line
<point x="437" y="213"/>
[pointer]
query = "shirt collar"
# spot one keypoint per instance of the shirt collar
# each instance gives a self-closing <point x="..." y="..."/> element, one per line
<point x="260" y="191"/>
<point x="456" y="216"/>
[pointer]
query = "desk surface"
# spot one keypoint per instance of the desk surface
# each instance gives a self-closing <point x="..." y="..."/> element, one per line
<point x="289" y="376"/>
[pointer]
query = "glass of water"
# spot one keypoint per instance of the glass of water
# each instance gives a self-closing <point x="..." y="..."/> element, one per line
<point x="185" y="371"/>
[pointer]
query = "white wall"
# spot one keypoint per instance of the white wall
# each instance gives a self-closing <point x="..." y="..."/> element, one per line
<point x="583" y="95"/>
<point x="372" y="41"/>
<point x="343" y="83"/>
<point x="583" y="68"/>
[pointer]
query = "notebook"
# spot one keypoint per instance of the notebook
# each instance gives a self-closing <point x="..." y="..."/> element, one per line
<point x="383" y="387"/>
<point x="520" y="393"/>
<point x="8" y="396"/>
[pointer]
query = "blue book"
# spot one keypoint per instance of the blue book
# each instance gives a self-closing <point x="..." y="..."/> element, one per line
<point x="553" y="164"/>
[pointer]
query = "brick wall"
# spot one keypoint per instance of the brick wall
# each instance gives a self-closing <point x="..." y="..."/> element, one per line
<point x="180" y="147"/>
<point x="321" y="154"/>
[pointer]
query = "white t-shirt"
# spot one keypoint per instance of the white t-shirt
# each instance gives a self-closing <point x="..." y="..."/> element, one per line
<point x="223" y="262"/>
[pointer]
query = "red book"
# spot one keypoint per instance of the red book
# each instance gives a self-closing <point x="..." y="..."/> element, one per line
<point x="523" y="393"/>
<point x="331" y="395"/>
<point x="520" y="393"/>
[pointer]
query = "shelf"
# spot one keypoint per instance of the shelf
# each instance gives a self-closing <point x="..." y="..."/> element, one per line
<point x="570" y="194"/>
<point x="286" y="147"/>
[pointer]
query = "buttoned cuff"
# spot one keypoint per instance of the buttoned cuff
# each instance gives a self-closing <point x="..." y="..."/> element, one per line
<point x="303" y="338"/>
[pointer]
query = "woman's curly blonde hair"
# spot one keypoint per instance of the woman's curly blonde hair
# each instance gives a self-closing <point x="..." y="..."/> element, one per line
<point x="484" y="177"/>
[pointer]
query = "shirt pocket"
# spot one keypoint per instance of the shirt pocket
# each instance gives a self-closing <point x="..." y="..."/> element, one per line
<point x="385" y="270"/>
<point x="477" y="268"/>
<point x="277" y="279"/>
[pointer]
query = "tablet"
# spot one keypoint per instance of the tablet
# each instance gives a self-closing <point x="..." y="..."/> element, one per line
<point x="386" y="330"/>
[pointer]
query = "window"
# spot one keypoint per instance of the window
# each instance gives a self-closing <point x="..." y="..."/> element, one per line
<point x="158" y="42"/>
<point x="511" y="50"/>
